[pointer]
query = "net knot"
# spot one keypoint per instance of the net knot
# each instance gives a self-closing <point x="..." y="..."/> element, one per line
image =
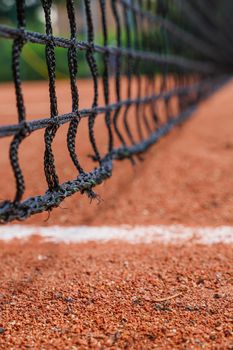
<point x="25" y="128"/>
<point x="23" y="35"/>
<point x="75" y="114"/>
<point x="55" y="121"/>
<point x="91" y="46"/>
<point x="50" y="40"/>
<point x="73" y="43"/>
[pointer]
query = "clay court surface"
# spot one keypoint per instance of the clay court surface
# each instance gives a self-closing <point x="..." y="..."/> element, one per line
<point x="119" y="295"/>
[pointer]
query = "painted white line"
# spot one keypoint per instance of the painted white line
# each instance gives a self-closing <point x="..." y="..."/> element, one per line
<point x="137" y="234"/>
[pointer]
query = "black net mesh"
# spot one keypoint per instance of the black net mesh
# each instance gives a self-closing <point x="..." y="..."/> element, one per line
<point x="173" y="52"/>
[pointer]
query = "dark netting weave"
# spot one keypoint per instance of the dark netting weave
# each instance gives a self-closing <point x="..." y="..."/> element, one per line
<point x="170" y="50"/>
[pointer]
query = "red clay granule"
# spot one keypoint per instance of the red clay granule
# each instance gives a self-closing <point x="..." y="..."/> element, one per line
<point x="113" y="296"/>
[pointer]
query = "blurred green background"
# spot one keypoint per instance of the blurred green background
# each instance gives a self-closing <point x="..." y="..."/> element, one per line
<point x="33" y="63"/>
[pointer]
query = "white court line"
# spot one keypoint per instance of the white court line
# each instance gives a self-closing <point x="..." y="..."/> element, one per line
<point x="136" y="234"/>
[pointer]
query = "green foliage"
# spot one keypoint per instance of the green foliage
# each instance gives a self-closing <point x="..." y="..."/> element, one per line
<point x="33" y="62"/>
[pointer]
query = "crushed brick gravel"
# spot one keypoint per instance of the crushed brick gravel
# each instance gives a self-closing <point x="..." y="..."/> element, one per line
<point x="115" y="296"/>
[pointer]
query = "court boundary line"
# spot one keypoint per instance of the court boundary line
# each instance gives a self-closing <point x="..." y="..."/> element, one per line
<point x="168" y="234"/>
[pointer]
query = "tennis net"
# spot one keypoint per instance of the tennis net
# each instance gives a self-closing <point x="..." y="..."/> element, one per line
<point x="164" y="48"/>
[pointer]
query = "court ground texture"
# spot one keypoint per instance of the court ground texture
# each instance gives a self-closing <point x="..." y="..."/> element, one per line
<point x="118" y="295"/>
